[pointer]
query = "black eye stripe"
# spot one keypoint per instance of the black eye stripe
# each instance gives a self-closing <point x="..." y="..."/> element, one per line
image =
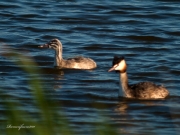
<point x="52" y="42"/>
<point x="53" y="45"/>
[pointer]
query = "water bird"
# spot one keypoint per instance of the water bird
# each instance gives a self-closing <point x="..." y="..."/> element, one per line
<point x="142" y="90"/>
<point x="70" y="63"/>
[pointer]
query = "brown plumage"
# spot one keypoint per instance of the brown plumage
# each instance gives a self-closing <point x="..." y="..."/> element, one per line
<point x="72" y="63"/>
<point x="143" y="90"/>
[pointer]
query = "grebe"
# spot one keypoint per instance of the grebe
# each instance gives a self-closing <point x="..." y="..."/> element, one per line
<point x="143" y="90"/>
<point x="72" y="63"/>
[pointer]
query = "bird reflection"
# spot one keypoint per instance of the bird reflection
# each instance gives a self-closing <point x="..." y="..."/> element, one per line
<point x="59" y="76"/>
<point x="122" y="107"/>
<point x="125" y="103"/>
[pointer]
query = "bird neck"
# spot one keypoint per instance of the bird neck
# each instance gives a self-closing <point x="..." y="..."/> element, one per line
<point x="58" y="57"/>
<point x="123" y="83"/>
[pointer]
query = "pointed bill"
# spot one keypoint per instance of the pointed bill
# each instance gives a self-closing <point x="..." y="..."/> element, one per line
<point x="44" y="46"/>
<point x="113" y="68"/>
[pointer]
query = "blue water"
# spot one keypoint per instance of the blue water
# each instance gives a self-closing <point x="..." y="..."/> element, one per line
<point x="147" y="33"/>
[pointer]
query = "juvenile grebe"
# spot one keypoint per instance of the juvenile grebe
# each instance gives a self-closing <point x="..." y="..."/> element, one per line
<point x="72" y="63"/>
<point x="143" y="90"/>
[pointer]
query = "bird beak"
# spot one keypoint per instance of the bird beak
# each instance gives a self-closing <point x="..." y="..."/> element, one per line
<point x="113" y="68"/>
<point x="44" y="46"/>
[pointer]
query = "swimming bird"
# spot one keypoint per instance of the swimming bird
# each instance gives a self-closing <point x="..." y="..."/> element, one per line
<point x="71" y="63"/>
<point x="142" y="90"/>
